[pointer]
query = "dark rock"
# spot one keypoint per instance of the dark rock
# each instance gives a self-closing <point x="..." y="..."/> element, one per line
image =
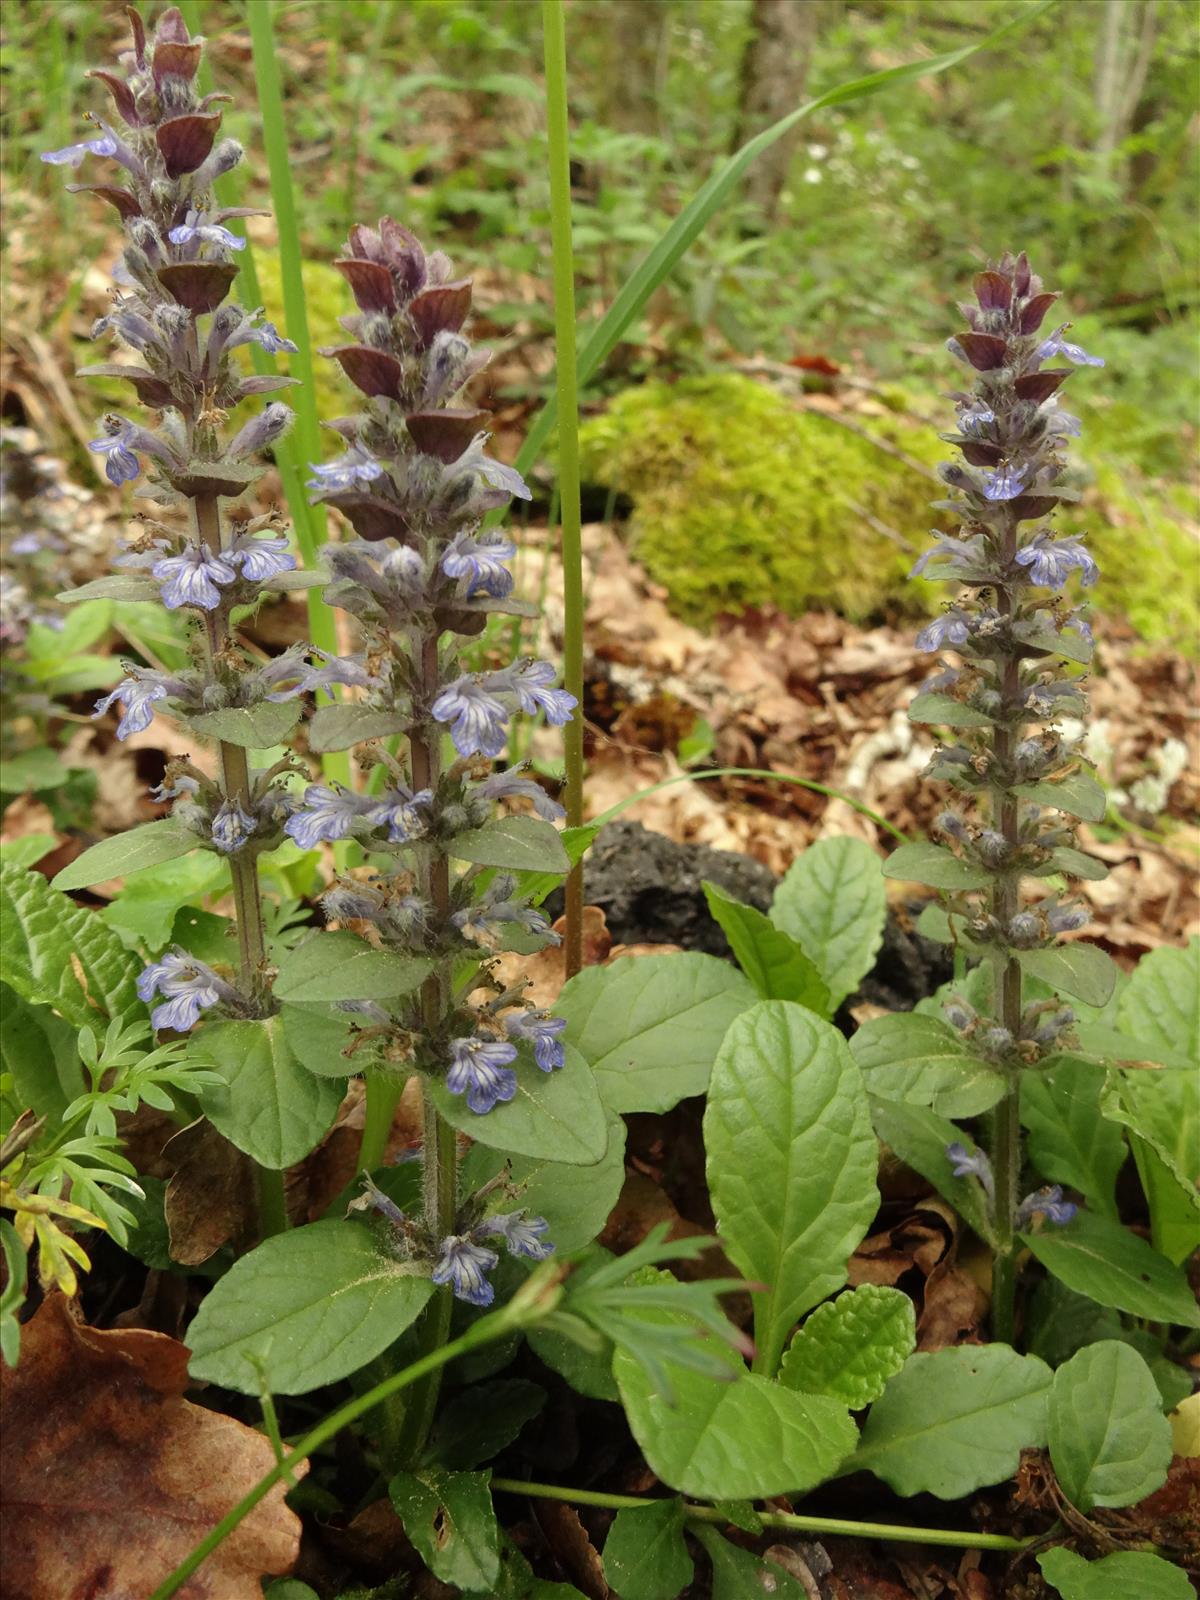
<point x="650" y="888"/>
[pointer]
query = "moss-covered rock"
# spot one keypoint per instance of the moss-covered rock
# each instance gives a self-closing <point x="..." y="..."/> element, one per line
<point x="741" y="500"/>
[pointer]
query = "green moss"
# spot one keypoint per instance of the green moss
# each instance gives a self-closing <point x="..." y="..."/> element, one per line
<point x="328" y="298"/>
<point x="740" y="500"/>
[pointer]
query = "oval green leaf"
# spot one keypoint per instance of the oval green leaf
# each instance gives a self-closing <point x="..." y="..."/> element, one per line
<point x="832" y="901"/>
<point x="271" y="1107"/>
<point x="147" y="846"/>
<point x="341" y="966"/>
<point x="1109" y="1441"/>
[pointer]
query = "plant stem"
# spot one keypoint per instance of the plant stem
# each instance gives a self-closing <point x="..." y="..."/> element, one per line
<point x="964" y="1540"/>
<point x="235" y="783"/>
<point x="1006" y="999"/>
<point x="272" y="1204"/>
<point x="383" y="1096"/>
<point x="527" y="1307"/>
<point x="567" y="392"/>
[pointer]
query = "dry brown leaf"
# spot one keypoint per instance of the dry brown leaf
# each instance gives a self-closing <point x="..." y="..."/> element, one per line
<point x="118" y="1477"/>
<point x="568" y="1540"/>
<point x="210" y="1196"/>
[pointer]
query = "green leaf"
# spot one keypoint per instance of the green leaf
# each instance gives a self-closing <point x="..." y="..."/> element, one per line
<point x="554" y="1116"/>
<point x="1083" y="971"/>
<point x="56" y="953"/>
<point x="31" y="772"/>
<point x="741" y="1439"/>
<point x="934" y="865"/>
<point x="1161" y="1001"/>
<point x="117" y="587"/>
<point x="645" y="1557"/>
<point x="39" y="1052"/>
<point x="450" y="1520"/>
<point x="956" y="1420"/>
<point x="28" y="850"/>
<point x="482" y="1420"/>
<point x="588" y="1371"/>
<point x="318" y="1035"/>
<point x="145" y="910"/>
<point x="575" y="1200"/>
<point x="737" y="1574"/>
<point x="791" y="1161"/>
<point x="919" y="1137"/>
<point x="519" y="844"/>
<point x="271" y="1107"/>
<point x="1079" y="795"/>
<point x="1097" y="1257"/>
<point x="147" y="846"/>
<point x="341" y="966"/>
<point x="1109" y="1441"/>
<point x="339" y="727"/>
<point x="252" y="727"/>
<point x="833" y="903"/>
<point x="305" y="1308"/>
<point x="159" y="635"/>
<point x="1126" y="1575"/>
<point x="1058" y="1322"/>
<point x="920" y="1060"/>
<point x="945" y="710"/>
<point x="650" y="1025"/>
<point x="12" y="1296"/>
<point x="772" y="960"/>
<point x="1069" y="1140"/>
<point x="535" y="886"/>
<point x="1075" y="864"/>
<point x="851" y="1346"/>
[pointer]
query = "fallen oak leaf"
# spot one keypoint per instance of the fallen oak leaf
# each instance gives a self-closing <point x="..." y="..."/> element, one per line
<point x="112" y="1476"/>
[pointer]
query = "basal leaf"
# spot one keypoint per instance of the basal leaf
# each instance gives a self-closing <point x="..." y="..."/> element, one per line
<point x="449" y="1518"/>
<point x="481" y="1420"/>
<point x="554" y="1116"/>
<point x="791" y="1161"/>
<point x="1058" y="1322"/>
<point x="956" y="1420"/>
<point x="849" y="1347"/>
<point x="645" y="1556"/>
<point x="921" y="1060"/>
<point x="772" y="960"/>
<point x="1109" y="1441"/>
<point x="305" y="1308"/>
<point x="650" y="1025"/>
<point x="341" y="966"/>
<point x="833" y="903"/>
<point x="147" y="846"/>
<point x="270" y="1106"/>
<point x="739" y="1574"/>
<point x="1126" y="1575"/>
<point x="1099" y="1258"/>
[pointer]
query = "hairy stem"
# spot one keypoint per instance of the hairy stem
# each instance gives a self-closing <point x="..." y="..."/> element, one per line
<point x="1006" y="1006"/>
<point x="566" y="386"/>
<point x="235" y="784"/>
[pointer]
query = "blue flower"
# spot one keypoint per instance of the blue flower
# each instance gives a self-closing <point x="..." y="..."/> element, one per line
<point x="120" y="464"/>
<point x="530" y="681"/>
<point x="973" y="417"/>
<point x="1081" y="626"/>
<point x="480" y="1067"/>
<point x="334" y="669"/>
<point x="1006" y="483"/>
<point x="1062" y="423"/>
<point x="353" y="470"/>
<point x="399" y="811"/>
<point x="231" y="827"/>
<point x="260" y="559"/>
<point x="191" y="578"/>
<point x="480" y="561"/>
<point x="542" y="1031"/>
<point x="508" y="785"/>
<point x="1047" y="1202"/>
<point x="1056" y="345"/>
<point x="483" y="921"/>
<point x="479" y="721"/>
<point x="965" y="1165"/>
<point x="502" y="482"/>
<point x="186" y="985"/>
<point x="521" y="1233"/>
<point x="950" y="629"/>
<point x="271" y="340"/>
<point x="376" y="1200"/>
<point x="956" y="549"/>
<point x="137" y="696"/>
<point x="463" y="1265"/>
<point x="197" y="228"/>
<point x="1051" y="561"/>
<point x="177" y="787"/>
<point x="325" y="814"/>
<point x="72" y="155"/>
